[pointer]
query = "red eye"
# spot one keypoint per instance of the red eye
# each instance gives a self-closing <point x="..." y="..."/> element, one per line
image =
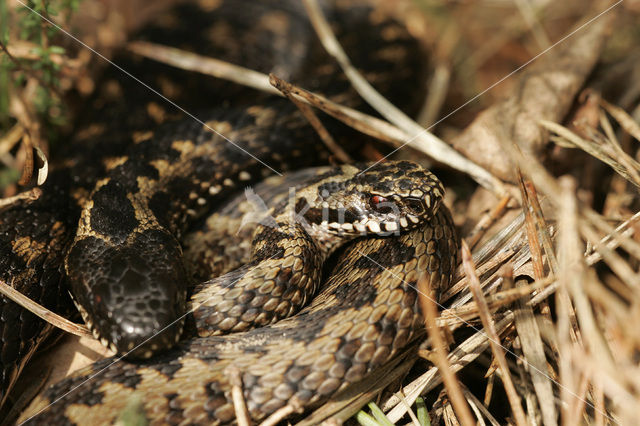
<point x="376" y="199"/>
<point x="380" y="204"/>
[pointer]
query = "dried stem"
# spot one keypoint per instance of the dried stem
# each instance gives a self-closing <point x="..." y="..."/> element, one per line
<point x="430" y="311"/>
<point x="494" y="339"/>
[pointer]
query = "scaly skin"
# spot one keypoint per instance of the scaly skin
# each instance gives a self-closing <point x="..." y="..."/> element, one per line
<point x="366" y="314"/>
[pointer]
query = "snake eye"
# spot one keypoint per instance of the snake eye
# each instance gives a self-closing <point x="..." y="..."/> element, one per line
<point x="380" y="204"/>
<point x="376" y="199"/>
<point x="415" y="205"/>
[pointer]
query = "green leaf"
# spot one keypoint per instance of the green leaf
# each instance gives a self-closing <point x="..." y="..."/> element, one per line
<point x="422" y="413"/>
<point x="365" y="419"/>
<point x="379" y="415"/>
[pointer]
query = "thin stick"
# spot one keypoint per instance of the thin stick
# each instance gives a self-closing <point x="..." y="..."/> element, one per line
<point x="532" y="235"/>
<point x="489" y="327"/>
<point x="486" y="221"/>
<point x="414" y="419"/>
<point x="543" y="229"/>
<point x="239" y="404"/>
<point x="307" y="111"/>
<point x="209" y="66"/>
<point x="430" y="313"/>
<point x="42" y="312"/>
<point x="32" y="194"/>
<point x="294" y="406"/>
<point x="424" y="142"/>
<point x="438" y="149"/>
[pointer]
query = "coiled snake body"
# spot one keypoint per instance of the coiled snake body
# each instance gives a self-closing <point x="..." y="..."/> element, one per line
<point x="125" y="263"/>
<point x="367" y="312"/>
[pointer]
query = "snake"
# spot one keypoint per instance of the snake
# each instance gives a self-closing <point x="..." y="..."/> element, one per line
<point x="365" y="313"/>
<point x="124" y="215"/>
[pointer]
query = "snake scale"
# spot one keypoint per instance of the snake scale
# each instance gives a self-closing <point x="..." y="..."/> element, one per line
<point x="118" y="232"/>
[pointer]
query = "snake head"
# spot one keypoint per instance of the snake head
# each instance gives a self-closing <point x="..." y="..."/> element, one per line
<point x="132" y="296"/>
<point x="379" y="199"/>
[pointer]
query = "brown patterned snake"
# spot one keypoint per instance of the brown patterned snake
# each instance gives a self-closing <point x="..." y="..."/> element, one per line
<point x="366" y="312"/>
<point x="148" y="195"/>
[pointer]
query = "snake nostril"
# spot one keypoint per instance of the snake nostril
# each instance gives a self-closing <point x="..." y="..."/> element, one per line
<point x="415" y="205"/>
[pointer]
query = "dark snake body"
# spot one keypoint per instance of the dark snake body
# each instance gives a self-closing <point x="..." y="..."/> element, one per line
<point x="366" y="313"/>
<point x="250" y="34"/>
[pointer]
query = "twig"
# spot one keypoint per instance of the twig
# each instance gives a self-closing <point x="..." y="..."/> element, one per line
<point x="532" y="234"/>
<point x="533" y="350"/>
<point x="210" y="66"/>
<point x="306" y="110"/>
<point x="239" y="404"/>
<point x="490" y="329"/>
<point x="367" y="124"/>
<point x="294" y="406"/>
<point x="486" y="221"/>
<point x="42" y="312"/>
<point x="32" y="194"/>
<point x="29" y="71"/>
<point x="437" y="149"/>
<point x="430" y="312"/>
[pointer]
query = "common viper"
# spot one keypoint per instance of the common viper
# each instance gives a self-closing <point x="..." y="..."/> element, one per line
<point x="125" y="262"/>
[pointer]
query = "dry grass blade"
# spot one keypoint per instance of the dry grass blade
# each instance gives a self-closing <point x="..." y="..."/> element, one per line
<point x="529" y="14"/>
<point x="572" y="277"/>
<point x="486" y="221"/>
<point x="625" y="120"/>
<point x="465" y="353"/>
<point x="412" y="415"/>
<point x="372" y="126"/>
<point x="489" y="326"/>
<point x="9" y="139"/>
<point x="475" y="402"/>
<point x="532" y="234"/>
<point x="30" y="195"/>
<point x="50" y="317"/>
<point x="210" y="66"/>
<point x="456" y="316"/>
<point x="438" y="87"/>
<point x="306" y="110"/>
<point x="362" y="86"/>
<point x="438" y="150"/>
<point x="533" y="350"/>
<point x="239" y="404"/>
<point x="615" y="234"/>
<point x="430" y="312"/>
<point x="541" y="224"/>
<point x="615" y="261"/>
<point x="604" y="153"/>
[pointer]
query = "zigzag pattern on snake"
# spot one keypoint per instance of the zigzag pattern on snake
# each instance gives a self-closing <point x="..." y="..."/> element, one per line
<point x="366" y="313"/>
<point x="169" y="167"/>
